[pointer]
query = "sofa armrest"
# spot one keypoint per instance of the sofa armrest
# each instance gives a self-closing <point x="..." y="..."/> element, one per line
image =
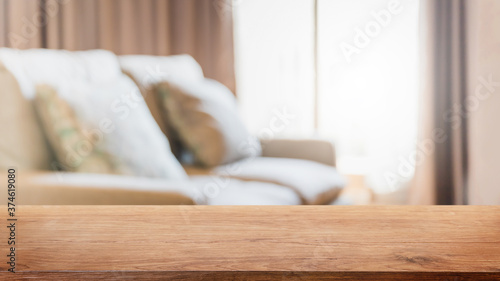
<point x="315" y="150"/>
<point x="54" y="188"/>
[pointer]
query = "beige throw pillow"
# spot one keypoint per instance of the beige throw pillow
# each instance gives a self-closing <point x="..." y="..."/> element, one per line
<point x="74" y="151"/>
<point x="204" y="114"/>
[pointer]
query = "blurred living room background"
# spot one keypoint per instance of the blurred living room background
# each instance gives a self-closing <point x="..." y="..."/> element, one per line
<point x="406" y="90"/>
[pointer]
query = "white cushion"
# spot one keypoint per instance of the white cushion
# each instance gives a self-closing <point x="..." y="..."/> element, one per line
<point x="150" y="70"/>
<point x="104" y="99"/>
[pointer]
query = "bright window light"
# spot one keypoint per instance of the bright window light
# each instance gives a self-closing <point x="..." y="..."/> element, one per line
<point x="367" y="77"/>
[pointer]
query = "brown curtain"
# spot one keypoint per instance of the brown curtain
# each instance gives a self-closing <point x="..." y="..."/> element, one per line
<point x="441" y="177"/>
<point x="484" y="86"/>
<point x="201" y="28"/>
<point x="19" y="24"/>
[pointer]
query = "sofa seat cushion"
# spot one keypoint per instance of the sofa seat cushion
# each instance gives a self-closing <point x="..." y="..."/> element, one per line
<point x="67" y="188"/>
<point x="315" y="183"/>
<point x="217" y="190"/>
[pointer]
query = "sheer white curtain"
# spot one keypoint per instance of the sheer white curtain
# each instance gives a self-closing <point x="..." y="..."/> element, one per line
<point x="274" y="67"/>
<point x="367" y="77"/>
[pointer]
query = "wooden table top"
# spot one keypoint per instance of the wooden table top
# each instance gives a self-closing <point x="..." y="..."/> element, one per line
<point x="256" y="242"/>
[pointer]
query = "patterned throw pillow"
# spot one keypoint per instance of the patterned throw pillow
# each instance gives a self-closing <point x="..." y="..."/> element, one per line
<point x="74" y="150"/>
<point x="204" y="114"/>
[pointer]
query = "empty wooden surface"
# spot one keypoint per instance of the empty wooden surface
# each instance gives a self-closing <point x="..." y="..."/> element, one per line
<point x="257" y="242"/>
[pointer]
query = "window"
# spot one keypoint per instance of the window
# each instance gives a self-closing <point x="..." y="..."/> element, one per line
<point x="366" y="77"/>
<point x="274" y="46"/>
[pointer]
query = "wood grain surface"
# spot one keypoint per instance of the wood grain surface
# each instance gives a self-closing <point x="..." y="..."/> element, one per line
<point x="256" y="242"/>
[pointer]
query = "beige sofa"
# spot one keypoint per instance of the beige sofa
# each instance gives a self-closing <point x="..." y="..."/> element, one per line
<point x="287" y="172"/>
